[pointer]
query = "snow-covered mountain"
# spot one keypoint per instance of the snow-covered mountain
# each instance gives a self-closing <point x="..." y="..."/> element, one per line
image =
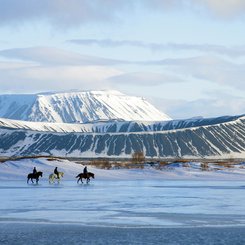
<point x="70" y="107"/>
<point x="222" y="137"/>
<point x="110" y="124"/>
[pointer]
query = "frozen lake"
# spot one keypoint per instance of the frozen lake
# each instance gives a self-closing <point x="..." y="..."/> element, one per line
<point x="123" y="205"/>
<point x="126" y="203"/>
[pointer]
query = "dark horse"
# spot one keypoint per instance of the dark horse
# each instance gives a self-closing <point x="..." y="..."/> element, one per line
<point x="87" y="176"/>
<point x="34" y="176"/>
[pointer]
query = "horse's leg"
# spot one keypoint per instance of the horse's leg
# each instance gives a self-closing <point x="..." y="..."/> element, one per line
<point x="27" y="180"/>
<point x="32" y="180"/>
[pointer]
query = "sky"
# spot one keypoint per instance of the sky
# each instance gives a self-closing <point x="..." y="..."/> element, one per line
<point x="187" y="57"/>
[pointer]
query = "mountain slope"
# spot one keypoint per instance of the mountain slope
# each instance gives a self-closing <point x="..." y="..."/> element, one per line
<point x="225" y="138"/>
<point x="113" y="126"/>
<point x="78" y="107"/>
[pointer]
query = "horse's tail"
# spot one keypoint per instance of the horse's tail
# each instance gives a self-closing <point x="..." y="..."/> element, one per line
<point x="78" y="176"/>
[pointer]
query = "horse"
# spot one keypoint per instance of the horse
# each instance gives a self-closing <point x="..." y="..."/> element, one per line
<point x="87" y="176"/>
<point x="34" y="176"/>
<point x="53" y="177"/>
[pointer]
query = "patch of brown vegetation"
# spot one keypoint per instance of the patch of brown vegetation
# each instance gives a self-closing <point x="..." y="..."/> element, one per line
<point x="225" y="164"/>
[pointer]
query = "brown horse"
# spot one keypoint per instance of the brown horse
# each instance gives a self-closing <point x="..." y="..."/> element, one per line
<point x="87" y="176"/>
<point x="34" y="176"/>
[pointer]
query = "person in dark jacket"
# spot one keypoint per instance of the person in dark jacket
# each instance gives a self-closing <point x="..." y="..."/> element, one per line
<point x="56" y="172"/>
<point x="34" y="171"/>
<point x="85" y="171"/>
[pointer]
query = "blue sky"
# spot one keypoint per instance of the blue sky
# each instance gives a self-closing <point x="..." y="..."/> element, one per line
<point x="187" y="57"/>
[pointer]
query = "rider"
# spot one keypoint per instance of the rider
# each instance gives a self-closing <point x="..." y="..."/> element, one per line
<point x="34" y="171"/>
<point x="56" y="172"/>
<point x="85" y="171"/>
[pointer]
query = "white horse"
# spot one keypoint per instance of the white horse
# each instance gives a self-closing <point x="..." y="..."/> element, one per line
<point x="53" y="177"/>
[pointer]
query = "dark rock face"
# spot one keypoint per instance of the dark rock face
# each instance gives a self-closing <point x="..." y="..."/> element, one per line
<point x="185" y="138"/>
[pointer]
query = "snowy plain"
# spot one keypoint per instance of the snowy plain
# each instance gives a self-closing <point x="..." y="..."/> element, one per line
<point x="175" y="205"/>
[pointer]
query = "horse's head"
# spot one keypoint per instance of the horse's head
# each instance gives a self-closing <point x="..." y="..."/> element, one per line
<point x="92" y="175"/>
<point x="40" y="174"/>
<point x="61" y="174"/>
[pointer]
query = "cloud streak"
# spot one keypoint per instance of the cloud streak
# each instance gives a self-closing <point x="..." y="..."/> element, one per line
<point x="43" y="78"/>
<point x="54" y="56"/>
<point x="218" y="105"/>
<point x="50" y="63"/>
<point x="207" y="68"/>
<point x="46" y="68"/>
<point x="205" y="48"/>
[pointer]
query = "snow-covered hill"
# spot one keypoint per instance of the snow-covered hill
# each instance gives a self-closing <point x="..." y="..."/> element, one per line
<point x="214" y="138"/>
<point x="73" y="107"/>
<point x="114" y="126"/>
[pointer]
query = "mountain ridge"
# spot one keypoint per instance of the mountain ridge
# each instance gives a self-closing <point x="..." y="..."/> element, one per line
<point x="70" y="107"/>
<point x="115" y="126"/>
<point x="220" y="140"/>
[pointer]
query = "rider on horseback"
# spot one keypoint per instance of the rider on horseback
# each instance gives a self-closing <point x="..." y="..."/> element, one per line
<point x="34" y="171"/>
<point x="85" y="171"/>
<point x="56" y="172"/>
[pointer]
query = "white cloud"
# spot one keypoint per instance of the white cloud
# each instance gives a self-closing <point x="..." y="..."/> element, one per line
<point x="43" y="78"/>
<point x="207" y="68"/>
<point x="219" y="8"/>
<point x="225" y="8"/>
<point x="46" y="60"/>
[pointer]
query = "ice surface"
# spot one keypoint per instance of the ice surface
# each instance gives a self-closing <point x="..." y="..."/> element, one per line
<point x="135" y="203"/>
<point x="176" y="206"/>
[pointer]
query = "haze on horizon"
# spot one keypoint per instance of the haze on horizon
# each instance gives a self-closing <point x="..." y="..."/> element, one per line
<point x="185" y="56"/>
